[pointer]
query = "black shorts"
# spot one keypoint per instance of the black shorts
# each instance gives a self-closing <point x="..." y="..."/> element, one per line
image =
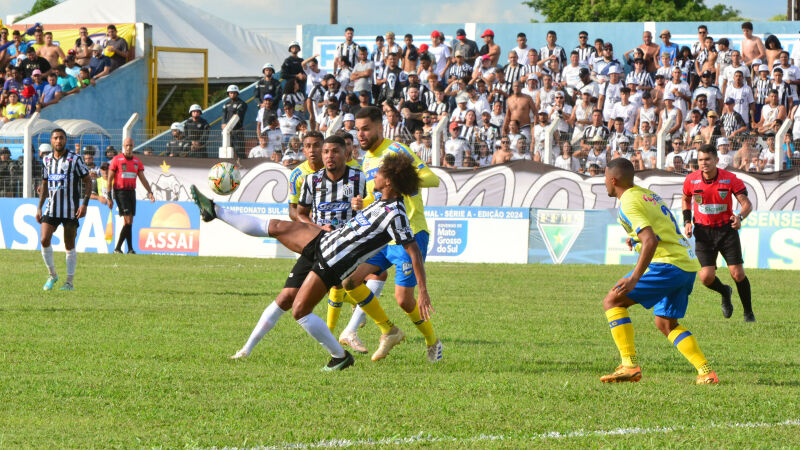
<point x="330" y="277"/>
<point x="56" y="221"/>
<point x="709" y="241"/>
<point x="126" y="202"/>
<point x="303" y="265"/>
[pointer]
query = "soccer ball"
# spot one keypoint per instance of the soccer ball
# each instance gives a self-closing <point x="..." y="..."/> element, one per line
<point x="224" y="178"/>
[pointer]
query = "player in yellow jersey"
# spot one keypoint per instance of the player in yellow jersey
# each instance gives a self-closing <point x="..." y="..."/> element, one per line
<point x="370" y="136"/>
<point x="662" y="279"/>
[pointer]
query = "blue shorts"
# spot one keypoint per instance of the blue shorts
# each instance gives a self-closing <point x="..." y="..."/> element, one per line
<point x="398" y="256"/>
<point x="665" y="288"/>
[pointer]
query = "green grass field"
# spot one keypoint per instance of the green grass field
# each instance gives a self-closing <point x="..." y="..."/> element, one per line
<point x="137" y="356"/>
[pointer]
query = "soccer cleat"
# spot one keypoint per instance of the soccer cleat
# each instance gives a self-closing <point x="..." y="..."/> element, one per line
<point x="387" y="341"/>
<point x="435" y="352"/>
<point x="352" y="340"/>
<point x="131" y="252"/>
<point x="205" y="204"/>
<point x="241" y="354"/>
<point x="749" y="316"/>
<point x="67" y="287"/>
<point x="623" y="374"/>
<point x="48" y="285"/>
<point x="727" y="306"/>
<point x="118" y="251"/>
<point x="339" y="363"/>
<point x="709" y="378"/>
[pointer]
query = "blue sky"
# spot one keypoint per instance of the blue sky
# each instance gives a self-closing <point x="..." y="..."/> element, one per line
<point x="267" y="13"/>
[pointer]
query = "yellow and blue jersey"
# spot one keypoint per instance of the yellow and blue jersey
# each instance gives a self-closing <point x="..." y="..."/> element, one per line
<point x="296" y="178"/>
<point x="373" y="160"/>
<point x="640" y="208"/>
<point x="355" y="164"/>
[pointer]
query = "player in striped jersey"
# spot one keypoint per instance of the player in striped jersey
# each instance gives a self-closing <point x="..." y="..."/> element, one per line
<point x="62" y="175"/>
<point x="334" y="255"/>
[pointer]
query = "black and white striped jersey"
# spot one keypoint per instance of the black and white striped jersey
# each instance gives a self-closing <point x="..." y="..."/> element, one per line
<point x="469" y="133"/>
<point x="640" y="78"/>
<point x="344" y="249"/>
<point x="586" y="55"/>
<point x="328" y="199"/>
<point x="348" y="52"/>
<point x="784" y="93"/>
<point x="397" y="132"/>
<point x="428" y="97"/>
<point x="458" y="71"/>
<point x="503" y="86"/>
<point x="513" y="74"/>
<point x="761" y="89"/>
<point x="557" y="51"/>
<point x="64" y="178"/>
<point x="439" y="108"/>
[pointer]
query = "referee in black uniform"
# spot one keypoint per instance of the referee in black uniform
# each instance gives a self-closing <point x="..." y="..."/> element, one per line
<point x="61" y="185"/>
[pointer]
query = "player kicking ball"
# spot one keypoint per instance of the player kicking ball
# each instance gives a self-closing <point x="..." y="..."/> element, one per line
<point x="336" y="254"/>
<point x="662" y="278"/>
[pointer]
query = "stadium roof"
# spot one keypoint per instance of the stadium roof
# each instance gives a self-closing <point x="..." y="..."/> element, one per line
<point x="233" y="52"/>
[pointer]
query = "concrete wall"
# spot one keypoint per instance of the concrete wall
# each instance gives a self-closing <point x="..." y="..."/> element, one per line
<point x="111" y="102"/>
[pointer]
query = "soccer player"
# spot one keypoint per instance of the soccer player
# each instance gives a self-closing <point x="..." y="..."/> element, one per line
<point x="370" y="136"/>
<point x="63" y="172"/>
<point x="662" y="278"/>
<point x="716" y="226"/>
<point x="122" y="173"/>
<point x="334" y="255"/>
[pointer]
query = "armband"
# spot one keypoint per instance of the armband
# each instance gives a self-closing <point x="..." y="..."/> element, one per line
<point x="687" y="216"/>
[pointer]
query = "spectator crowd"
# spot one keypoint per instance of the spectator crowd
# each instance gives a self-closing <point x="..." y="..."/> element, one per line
<point x="35" y="72"/>
<point x="499" y="104"/>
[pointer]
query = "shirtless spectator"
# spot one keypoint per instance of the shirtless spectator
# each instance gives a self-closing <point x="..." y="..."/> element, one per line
<point x="503" y="154"/>
<point x="650" y="50"/>
<point x="83" y="47"/>
<point x="50" y="51"/>
<point x="119" y="47"/>
<point x="752" y="46"/>
<point x="519" y="108"/>
<point x="494" y="49"/>
<point x="410" y="54"/>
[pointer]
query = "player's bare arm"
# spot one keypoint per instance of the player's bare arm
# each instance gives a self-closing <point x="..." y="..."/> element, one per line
<point x="147" y="186"/>
<point x="747" y="207"/>
<point x="649" y="244"/>
<point x="424" y="299"/>
<point x="42" y="198"/>
<point x="686" y="205"/>
<point x="87" y="194"/>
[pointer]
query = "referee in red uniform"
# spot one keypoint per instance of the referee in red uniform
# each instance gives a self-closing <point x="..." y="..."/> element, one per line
<point x="122" y="173"/>
<point x="716" y="226"/>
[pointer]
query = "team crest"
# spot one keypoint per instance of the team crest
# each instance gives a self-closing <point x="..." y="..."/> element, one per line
<point x="698" y="198"/>
<point x="723" y="194"/>
<point x="559" y="230"/>
<point x="347" y="190"/>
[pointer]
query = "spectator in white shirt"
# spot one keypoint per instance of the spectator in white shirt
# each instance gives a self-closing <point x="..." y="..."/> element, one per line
<point x="456" y="146"/>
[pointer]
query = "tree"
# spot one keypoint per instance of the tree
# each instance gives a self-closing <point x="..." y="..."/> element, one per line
<point x="39" y="6"/>
<point x="631" y="11"/>
<point x="779" y="18"/>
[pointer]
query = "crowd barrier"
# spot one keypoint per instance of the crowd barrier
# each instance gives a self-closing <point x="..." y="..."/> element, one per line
<point x="770" y="239"/>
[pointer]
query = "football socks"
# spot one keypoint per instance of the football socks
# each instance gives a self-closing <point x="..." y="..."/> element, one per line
<point x="743" y="287"/>
<point x="370" y="305"/>
<point x="268" y="320"/>
<point x="47" y="255"/>
<point x="315" y="327"/>
<point x="72" y="261"/>
<point x="335" y="299"/>
<point x="717" y="285"/>
<point x="359" y="317"/>
<point x="250" y="225"/>
<point x="424" y="326"/>
<point x="686" y="343"/>
<point x="622" y="331"/>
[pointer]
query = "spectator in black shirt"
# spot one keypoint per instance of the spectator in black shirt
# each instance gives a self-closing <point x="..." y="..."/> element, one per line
<point x="197" y="130"/>
<point x="392" y="82"/>
<point x="269" y="85"/>
<point x="468" y="47"/>
<point x="178" y="146"/>
<point x="100" y="64"/>
<point x="118" y="47"/>
<point x="239" y="108"/>
<point x="33" y="62"/>
<point x="292" y="66"/>
<point x="413" y="109"/>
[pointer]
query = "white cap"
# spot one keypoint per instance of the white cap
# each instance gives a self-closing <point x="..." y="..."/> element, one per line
<point x="233" y="88"/>
<point x="757" y="61"/>
<point x="614" y="69"/>
<point x="763" y="68"/>
<point x="348" y="117"/>
<point x="177" y="126"/>
<point x="622" y="139"/>
<point x="587" y="90"/>
<point x="722" y="141"/>
<point x="45" y="148"/>
<point x="293" y="43"/>
<point x="195" y="107"/>
<point x="267" y="66"/>
<point x="462" y="98"/>
<point x="669" y="96"/>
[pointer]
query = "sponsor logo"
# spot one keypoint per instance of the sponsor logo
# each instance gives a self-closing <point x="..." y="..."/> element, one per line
<point x="724" y="181"/>
<point x="363" y="221"/>
<point x="695" y="181"/>
<point x="560" y="229"/>
<point x="56" y="177"/>
<point x="713" y="208"/>
<point x="698" y="198"/>
<point x="449" y="237"/>
<point x="371" y="174"/>
<point x="407" y="268"/>
<point x="333" y="206"/>
<point x="128" y="175"/>
<point x="170" y="231"/>
<point x="723" y="193"/>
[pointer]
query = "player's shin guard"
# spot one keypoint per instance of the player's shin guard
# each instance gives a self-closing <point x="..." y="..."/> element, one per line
<point x="250" y="225"/>
<point x="686" y="343"/>
<point x="622" y="331"/>
<point x="370" y="305"/>
<point x="47" y="255"/>
<point x="335" y="299"/>
<point x="424" y="326"/>
<point x="72" y="261"/>
<point x="743" y="287"/>
<point x="315" y="327"/>
<point x="268" y="320"/>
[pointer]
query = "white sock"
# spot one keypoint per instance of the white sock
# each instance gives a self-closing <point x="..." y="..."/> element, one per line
<point x="359" y="316"/>
<point x="268" y="320"/>
<point x="47" y="254"/>
<point x="317" y="328"/>
<point x="245" y="223"/>
<point x="72" y="261"/>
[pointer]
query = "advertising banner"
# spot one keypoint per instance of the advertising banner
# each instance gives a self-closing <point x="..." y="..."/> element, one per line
<point x="770" y="239"/>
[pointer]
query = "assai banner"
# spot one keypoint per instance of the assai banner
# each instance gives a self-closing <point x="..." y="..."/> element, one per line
<point x="770" y="239"/>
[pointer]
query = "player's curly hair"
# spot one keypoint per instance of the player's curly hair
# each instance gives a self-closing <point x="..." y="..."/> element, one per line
<point x="399" y="169"/>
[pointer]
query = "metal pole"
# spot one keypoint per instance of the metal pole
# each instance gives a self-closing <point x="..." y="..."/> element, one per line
<point x="226" y="151"/>
<point x="27" y="162"/>
<point x="334" y="12"/>
<point x="437" y="142"/>
<point x="126" y="130"/>
<point x="785" y="127"/>
<point x="661" y="142"/>
<point x="547" y="151"/>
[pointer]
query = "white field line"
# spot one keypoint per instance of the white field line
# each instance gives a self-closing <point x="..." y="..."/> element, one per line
<point x="427" y="438"/>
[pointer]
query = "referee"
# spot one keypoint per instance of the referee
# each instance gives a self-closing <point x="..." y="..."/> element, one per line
<point x="716" y="226"/>
<point x="63" y="172"/>
<point x="122" y="174"/>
